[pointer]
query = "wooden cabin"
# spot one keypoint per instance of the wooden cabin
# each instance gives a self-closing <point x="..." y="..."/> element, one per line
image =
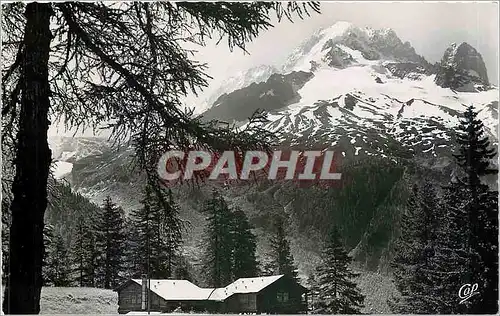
<point x="271" y="295"/>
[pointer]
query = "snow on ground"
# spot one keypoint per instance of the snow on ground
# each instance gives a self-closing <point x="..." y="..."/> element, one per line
<point x="78" y="300"/>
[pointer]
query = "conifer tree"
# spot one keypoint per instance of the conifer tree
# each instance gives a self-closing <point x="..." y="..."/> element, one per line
<point x="282" y="261"/>
<point x="48" y="237"/>
<point x="313" y="292"/>
<point x="149" y="245"/>
<point x="472" y="217"/>
<point x="133" y="262"/>
<point x="57" y="268"/>
<point x="337" y="292"/>
<point x="110" y="237"/>
<point x="78" y="252"/>
<point x="474" y="149"/>
<point x="218" y="261"/>
<point x="451" y="264"/>
<point x="159" y="230"/>
<point x="171" y="226"/>
<point x="244" y="246"/>
<point x="414" y="251"/>
<point x="84" y="254"/>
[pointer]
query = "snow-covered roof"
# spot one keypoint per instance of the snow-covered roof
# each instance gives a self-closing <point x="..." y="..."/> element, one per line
<point x="177" y="290"/>
<point x="244" y="285"/>
<point x="183" y="290"/>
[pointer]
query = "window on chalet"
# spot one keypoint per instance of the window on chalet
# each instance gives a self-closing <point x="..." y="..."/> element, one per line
<point x="252" y="300"/>
<point x="247" y="300"/>
<point x="131" y="296"/>
<point x="282" y="297"/>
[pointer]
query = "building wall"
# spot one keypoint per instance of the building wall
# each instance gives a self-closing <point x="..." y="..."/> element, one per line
<point x="241" y="303"/>
<point x="284" y="296"/>
<point x="130" y="299"/>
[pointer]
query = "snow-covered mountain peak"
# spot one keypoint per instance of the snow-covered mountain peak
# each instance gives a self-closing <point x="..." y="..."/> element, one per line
<point x="338" y="29"/>
<point x="344" y="44"/>
<point x="327" y="47"/>
<point x="363" y="88"/>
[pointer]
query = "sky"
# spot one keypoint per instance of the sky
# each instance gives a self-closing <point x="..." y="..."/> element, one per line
<point x="429" y="26"/>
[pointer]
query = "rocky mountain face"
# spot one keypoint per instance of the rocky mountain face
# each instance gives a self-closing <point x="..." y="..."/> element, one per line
<point x="238" y="80"/>
<point x="462" y="68"/>
<point x="277" y="92"/>
<point x="361" y="92"/>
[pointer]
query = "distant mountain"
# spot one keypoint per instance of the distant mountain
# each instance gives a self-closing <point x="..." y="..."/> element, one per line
<point x="325" y="47"/>
<point x="462" y="68"/>
<point x="237" y="81"/>
<point x="362" y="89"/>
<point x="276" y="92"/>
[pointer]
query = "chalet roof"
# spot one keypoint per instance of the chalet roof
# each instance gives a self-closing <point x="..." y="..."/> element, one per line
<point x="244" y="285"/>
<point x="183" y="290"/>
<point x="177" y="290"/>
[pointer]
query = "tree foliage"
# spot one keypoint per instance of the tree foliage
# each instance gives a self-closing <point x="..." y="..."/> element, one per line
<point x="281" y="257"/>
<point x="245" y="263"/>
<point x="57" y="264"/>
<point x="337" y="291"/>
<point x="110" y="242"/>
<point x="159" y="233"/>
<point x="415" y="249"/>
<point x="125" y="66"/>
<point x="218" y="256"/>
<point x="84" y="254"/>
<point x="434" y="260"/>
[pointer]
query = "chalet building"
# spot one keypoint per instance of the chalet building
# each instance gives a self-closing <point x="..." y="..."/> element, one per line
<point x="272" y="295"/>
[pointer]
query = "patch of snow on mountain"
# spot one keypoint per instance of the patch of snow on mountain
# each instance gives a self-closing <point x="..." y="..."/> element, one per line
<point x="62" y="168"/>
<point x="329" y="83"/>
<point x="421" y="109"/>
<point x="334" y="113"/>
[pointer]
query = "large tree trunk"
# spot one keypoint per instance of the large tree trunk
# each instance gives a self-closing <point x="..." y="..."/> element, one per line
<point x="22" y="294"/>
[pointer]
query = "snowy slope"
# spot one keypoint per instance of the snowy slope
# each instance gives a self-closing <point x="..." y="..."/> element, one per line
<point x="392" y="107"/>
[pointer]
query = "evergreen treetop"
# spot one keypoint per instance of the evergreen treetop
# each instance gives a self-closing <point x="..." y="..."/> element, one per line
<point x="338" y="293"/>
<point x="245" y="263"/>
<point x="474" y="152"/>
<point x="282" y="261"/>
